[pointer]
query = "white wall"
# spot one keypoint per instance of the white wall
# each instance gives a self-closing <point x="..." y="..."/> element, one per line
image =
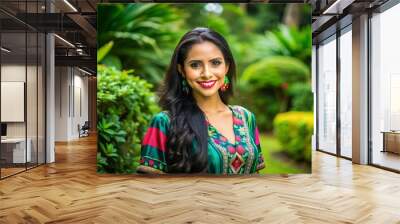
<point x="14" y="72"/>
<point x="10" y="73"/>
<point x="62" y="81"/>
<point x="71" y="94"/>
<point x="34" y="124"/>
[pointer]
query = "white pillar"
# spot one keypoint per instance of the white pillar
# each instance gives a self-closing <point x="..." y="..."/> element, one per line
<point x="50" y="100"/>
<point x="50" y="92"/>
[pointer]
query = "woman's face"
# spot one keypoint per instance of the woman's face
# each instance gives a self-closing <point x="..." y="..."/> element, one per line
<point x="204" y="69"/>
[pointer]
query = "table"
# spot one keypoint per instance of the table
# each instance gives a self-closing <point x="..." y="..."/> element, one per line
<point x="391" y="141"/>
<point x="13" y="150"/>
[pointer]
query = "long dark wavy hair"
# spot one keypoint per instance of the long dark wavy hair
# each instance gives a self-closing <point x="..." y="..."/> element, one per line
<point x="187" y="136"/>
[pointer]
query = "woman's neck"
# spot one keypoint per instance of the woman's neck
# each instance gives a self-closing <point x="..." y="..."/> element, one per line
<point x="210" y="105"/>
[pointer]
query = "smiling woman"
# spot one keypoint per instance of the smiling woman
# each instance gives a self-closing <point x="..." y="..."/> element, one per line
<point x="198" y="131"/>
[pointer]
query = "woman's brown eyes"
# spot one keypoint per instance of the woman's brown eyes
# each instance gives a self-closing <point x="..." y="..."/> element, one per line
<point x="195" y="65"/>
<point x="216" y="62"/>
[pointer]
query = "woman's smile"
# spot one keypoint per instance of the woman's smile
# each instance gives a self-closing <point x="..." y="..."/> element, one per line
<point x="207" y="84"/>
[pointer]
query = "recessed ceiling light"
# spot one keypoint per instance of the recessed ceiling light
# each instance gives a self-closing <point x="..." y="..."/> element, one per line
<point x="337" y="7"/>
<point x="5" y="49"/>
<point x="84" y="71"/>
<point x="64" y="40"/>
<point x="70" y="5"/>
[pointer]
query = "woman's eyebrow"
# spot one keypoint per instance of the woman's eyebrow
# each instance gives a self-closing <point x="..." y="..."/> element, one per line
<point x="218" y="58"/>
<point x="199" y="61"/>
<point x="194" y="60"/>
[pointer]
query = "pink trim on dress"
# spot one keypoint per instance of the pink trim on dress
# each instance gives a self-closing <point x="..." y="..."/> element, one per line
<point x="257" y="137"/>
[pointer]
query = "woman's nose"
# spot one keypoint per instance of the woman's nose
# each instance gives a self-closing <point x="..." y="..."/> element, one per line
<point x="206" y="73"/>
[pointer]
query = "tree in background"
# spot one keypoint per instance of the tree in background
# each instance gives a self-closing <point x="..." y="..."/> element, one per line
<point x="143" y="36"/>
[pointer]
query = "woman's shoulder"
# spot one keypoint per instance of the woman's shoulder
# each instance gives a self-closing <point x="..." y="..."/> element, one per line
<point x="249" y="116"/>
<point x="161" y="118"/>
<point x="242" y="109"/>
<point x="163" y="115"/>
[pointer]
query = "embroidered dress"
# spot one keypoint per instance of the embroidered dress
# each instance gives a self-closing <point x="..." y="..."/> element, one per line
<point x="242" y="157"/>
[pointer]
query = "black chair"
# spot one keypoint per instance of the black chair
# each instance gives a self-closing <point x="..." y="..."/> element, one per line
<point x="84" y="130"/>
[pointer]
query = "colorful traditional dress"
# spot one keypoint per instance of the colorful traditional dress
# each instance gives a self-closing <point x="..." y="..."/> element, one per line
<point x="243" y="157"/>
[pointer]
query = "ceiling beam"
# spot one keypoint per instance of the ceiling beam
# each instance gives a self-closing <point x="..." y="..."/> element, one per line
<point x="78" y="61"/>
<point x="86" y="26"/>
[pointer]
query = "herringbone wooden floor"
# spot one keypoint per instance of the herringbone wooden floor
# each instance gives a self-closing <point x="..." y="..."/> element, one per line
<point x="70" y="191"/>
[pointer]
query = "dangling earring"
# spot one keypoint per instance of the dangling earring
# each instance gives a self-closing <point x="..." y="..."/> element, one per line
<point x="185" y="87"/>
<point x="225" y="86"/>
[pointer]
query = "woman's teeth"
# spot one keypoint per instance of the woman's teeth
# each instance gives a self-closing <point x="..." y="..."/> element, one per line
<point x="207" y="84"/>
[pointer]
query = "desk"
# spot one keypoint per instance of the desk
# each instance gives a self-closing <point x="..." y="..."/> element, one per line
<point x="391" y="141"/>
<point x="16" y="148"/>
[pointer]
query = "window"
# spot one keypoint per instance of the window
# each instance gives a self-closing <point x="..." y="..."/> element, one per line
<point x="346" y="92"/>
<point x="385" y="89"/>
<point x="327" y="95"/>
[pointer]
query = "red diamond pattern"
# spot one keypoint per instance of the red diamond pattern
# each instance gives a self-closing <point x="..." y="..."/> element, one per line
<point x="237" y="163"/>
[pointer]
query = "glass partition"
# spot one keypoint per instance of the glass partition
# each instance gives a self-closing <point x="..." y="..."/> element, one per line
<point x="13" y="94"/>
<point x="385" y="89"/>
<point x="32" y="95"/>
<point x="22" y="77"/>
<point x="327" y="95"/>
<point x="346" y="92"/>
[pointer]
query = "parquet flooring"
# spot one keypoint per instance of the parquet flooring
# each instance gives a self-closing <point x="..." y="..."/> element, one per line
<point x="70" y="191"/>
<point x="10" y="171"/>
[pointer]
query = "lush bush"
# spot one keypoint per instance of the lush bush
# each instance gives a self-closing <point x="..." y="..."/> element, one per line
<point x="294" y="130"/>
<point x="301" y="97"/>
<point x="273" y="72"/>
<point x="265" y="87"/>
<point x="124" y="107"/>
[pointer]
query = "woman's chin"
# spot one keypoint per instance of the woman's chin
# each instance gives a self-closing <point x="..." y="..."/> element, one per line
<point x="207" y="93"/>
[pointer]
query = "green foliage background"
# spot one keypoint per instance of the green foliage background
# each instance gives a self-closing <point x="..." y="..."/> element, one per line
<point x="125" y="105"/>
<point x="273" y="63"/>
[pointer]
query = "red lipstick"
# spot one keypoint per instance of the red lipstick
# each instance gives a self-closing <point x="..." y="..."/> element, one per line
<point x="207" y="84"/>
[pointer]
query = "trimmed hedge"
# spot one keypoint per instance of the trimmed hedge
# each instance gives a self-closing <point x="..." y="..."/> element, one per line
<point x="272" y="72"/>
<point x="294" y="130"/>
<point x="271" y="86"/>
<point x="125" y="106"/>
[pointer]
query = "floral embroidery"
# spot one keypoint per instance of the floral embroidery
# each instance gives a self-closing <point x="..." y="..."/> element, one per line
<point x="231" y="149"/>
<point x="153" y="163"/>
<point x="237" y="154"/>
<point x="240" y="149"/>
<point x="237" y="138"/>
